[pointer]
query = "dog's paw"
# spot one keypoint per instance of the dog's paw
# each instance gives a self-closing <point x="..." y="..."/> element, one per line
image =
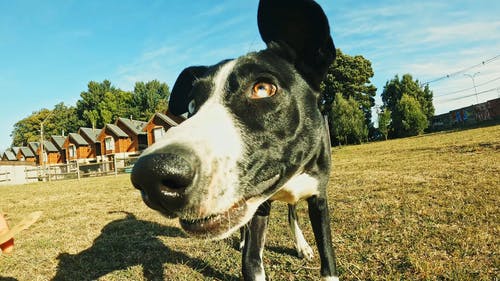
<point x="304" y="251"/>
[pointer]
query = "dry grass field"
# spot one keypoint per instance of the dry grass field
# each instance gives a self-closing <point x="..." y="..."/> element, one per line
<point x="422" y="208"/>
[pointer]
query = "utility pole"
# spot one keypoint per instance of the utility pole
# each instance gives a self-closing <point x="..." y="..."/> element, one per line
<point x="41" y="155"/>
<point x="473" y="83"/>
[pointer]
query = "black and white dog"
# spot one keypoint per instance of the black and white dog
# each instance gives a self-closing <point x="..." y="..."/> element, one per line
<point x="255" y="135"/>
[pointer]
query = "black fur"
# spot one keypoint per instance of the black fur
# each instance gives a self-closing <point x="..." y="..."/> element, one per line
<point x="283" y="136"/>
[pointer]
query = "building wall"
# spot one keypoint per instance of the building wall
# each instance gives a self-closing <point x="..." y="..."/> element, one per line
<point x="53" y="157"/>
<point x="121" y="144"/>
<point x="16" y="173"/>
<point x="124" y="145"/>
<point x="467" y="116"/>
<point x="133" y="143"/>
<point x="83" y="152"/>
<point x="93" y="146"/>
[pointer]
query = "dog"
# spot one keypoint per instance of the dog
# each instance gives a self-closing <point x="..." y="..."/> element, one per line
<point x="254" y="135"/>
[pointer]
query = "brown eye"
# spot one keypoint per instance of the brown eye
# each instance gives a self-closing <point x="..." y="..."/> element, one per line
<point x="263" y="90"/>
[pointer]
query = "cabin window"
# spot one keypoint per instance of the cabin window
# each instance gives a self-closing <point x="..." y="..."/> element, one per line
<point x="158" y="133"/>
<point x="72" y="151"/>
<point x="109" y="142"/>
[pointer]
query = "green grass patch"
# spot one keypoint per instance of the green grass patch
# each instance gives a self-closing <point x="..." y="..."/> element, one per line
<point x="422" y="208"/>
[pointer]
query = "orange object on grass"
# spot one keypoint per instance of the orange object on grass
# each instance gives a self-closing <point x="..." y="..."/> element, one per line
<point x="8" y="246"/>
<point x="7" y="235"/>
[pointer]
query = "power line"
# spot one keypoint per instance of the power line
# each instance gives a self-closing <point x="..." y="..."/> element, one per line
<point x="468" y="89"/>
<point x="470" y="95"/>
<point x="461" y="71"/>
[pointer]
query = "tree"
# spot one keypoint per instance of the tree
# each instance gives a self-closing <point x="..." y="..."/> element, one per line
<point x="148" y="98"/>
<point x="384" y="121"/>
<point x="394" y="90"/>
<point x="61" y="118"/>
<point x="349" y="76"/>
<point x="413" y="120"/>
<point x="102" y="103"/>
<point x="347" y="124"/>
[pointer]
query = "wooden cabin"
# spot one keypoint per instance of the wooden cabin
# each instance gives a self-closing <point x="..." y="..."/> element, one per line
<point x="158" y="125"/>
<point x="135" y="131"/>
<point x="50" y="154"/>
<point x="90" y="135"/>
<point x="34" y="145"/>
<point x="26" y="154"/>
<point x="58" y="142"/>
<point x="114" y="140"/>
<point x="77" y="148"/>
<point x="9" y="155"/>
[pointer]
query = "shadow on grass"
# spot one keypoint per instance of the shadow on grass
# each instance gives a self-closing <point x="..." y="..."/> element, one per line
<point x="283" y="251"/>
<point x="129" y="242"/>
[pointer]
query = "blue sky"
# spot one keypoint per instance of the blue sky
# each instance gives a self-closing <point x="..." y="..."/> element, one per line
<point x="50" y="50"/>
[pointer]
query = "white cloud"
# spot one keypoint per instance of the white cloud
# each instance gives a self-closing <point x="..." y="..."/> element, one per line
<point x="459" y="32"/>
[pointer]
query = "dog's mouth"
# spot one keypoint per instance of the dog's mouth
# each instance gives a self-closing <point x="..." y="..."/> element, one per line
<point x="217" y="225"/>
<point x="221" y="225"/>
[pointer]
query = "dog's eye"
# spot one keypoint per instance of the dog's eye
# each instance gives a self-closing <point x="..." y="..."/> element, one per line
<point x="263" y="90"/>
<point x="191" y="106"/>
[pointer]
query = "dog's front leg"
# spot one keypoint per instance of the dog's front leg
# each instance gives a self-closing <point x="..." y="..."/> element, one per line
<point x="255" y="238"/>
<point x="320" y="221"/>
<point x="303" y="249"/>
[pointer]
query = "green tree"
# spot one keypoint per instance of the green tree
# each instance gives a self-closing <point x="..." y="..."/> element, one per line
<point x="61" y="118"/>
<point x="384" y="121"/>
<point x="349" y="76"/>
<point x="28" y="129"/>
<point x="149" y="98"/>
<point x="347" y="121"/>
<point x="394" y="90"/>
<point x="413" y="119"/>
<point x="102" y="103"/>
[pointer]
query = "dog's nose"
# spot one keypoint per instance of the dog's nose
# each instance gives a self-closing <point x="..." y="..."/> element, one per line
<point x="163" y="178"/>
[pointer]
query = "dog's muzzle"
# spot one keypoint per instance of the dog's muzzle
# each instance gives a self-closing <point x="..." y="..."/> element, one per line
<point x="171" y="183"/>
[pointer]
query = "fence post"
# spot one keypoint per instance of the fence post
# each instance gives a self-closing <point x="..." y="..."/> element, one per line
<point x="77" y="170"/>
<point x="114" y="164"/>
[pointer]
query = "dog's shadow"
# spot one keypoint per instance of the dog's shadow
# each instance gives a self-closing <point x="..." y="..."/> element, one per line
<point x="129" y="242"/>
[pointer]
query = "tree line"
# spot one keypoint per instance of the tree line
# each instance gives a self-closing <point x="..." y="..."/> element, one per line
<point x="347" y="98"/>
<point x="100" y="104"/>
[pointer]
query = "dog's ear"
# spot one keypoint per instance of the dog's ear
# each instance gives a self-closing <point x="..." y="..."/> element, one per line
<point x="302" y="26"/>
<point x="179" y="97"/>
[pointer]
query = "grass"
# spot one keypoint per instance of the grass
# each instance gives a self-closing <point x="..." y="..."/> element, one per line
<point x="422" y="208"/>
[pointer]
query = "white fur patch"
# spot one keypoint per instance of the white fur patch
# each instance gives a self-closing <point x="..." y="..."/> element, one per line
<point x="260" y="276"/>
<point x="214" y="136"/>
<point x="331" y="278"/>
<point x="301" y="245"/>
<point x="298" y="187"/>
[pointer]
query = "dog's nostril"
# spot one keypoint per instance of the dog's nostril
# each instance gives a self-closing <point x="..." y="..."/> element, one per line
<point x="177" y="182"/>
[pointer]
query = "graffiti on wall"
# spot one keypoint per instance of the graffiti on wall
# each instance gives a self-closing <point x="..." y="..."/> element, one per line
<point x="482" y="112"/>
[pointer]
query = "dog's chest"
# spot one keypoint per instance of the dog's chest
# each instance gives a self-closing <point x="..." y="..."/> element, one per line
<point x="298" y="187"/>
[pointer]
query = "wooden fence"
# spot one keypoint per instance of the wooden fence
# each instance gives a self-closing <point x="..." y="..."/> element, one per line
<point x="76" y="170"/>
<point x="4" y="176"/>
